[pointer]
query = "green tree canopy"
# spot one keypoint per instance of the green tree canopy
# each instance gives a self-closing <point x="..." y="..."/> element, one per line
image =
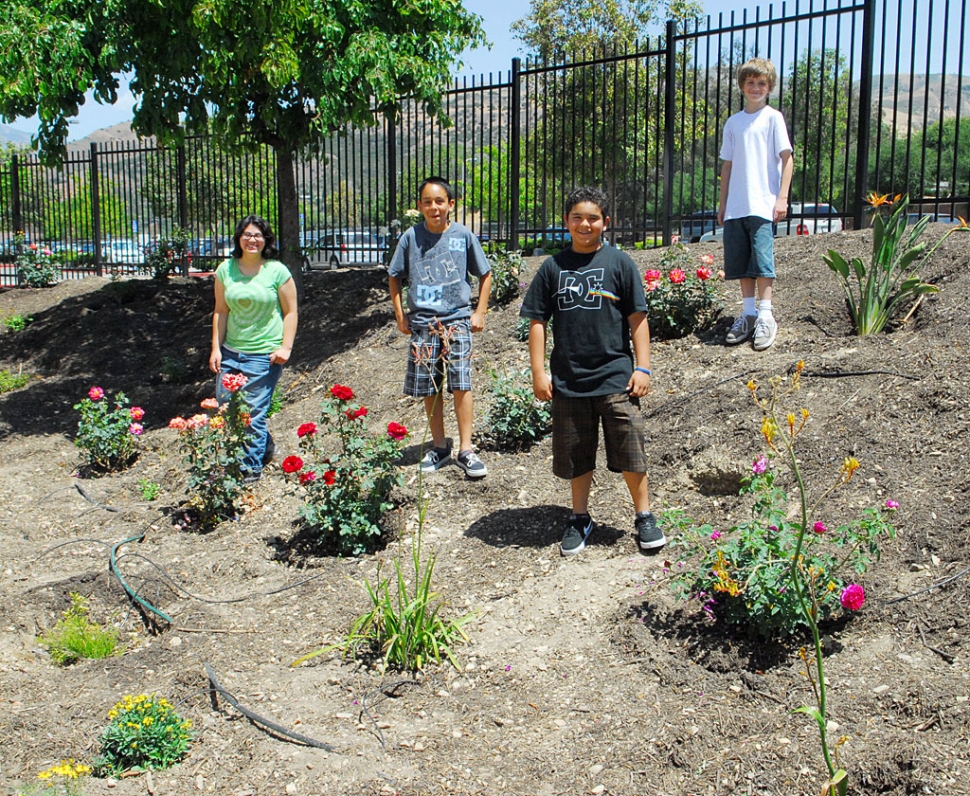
<point x="284" y="74"/>
<point x="554" y="27"/>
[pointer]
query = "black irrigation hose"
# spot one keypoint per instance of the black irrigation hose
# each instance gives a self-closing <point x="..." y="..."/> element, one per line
<point x="113" y="569"/>
<point x="259" y="720"/>
<point x="90" y="499"/>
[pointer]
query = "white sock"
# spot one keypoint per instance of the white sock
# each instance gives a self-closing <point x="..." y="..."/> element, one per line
<point x="764" y="309"/>
<point x="750" y="306"/>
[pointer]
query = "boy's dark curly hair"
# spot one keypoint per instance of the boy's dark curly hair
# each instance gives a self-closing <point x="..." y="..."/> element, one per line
<point x="587" y="193"/>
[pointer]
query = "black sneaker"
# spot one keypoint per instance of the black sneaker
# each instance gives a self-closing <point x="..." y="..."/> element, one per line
<point x="649" y="534"/>
<point x="577" y="532"/>
<point x="471" y="464"/>
<point x="434" y="459"/>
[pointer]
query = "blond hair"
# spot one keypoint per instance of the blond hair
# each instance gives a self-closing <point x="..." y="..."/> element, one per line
<point x="758" y="67"/>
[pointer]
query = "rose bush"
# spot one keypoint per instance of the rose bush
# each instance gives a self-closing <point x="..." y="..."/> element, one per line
<point x="682" y="297"/>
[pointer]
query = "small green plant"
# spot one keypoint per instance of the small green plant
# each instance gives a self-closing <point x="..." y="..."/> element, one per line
<point x="682" y="298"/>
<point x="16" y="323"/>
<point x="35" y="265"/>
<point x="169" y="256"/>
<point x="149" y="489"/>
<point x="348" y="492"/>
<point x="64" y="779"/>
<point x="783" y="570"/>
<point x="516" y="420"/>
<point x="522" y="326"/>
<point x="143" y="733"/>
<point x="507" y="269"/>
<point x="107" y="433"/>
<point x="405" y="625"/>
<point x="276" y="401"/>
<point x="212" y="448"/>
<point x="874" y="292"/>
<point x="174" y="370"/>
<point x="75" y="636"/>
<point x="10" y="382"/>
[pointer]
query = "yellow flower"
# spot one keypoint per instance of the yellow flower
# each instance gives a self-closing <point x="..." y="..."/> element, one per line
<point x="769" y="428"/>
<point x="963" y="223"/>
<point x="791" y="423"/>
<point x="849" y="466"/>
<point x="147" y="721"/>
<point x="878" y="200"/>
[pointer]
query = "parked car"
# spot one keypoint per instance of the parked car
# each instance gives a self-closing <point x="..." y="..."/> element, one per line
<point x="809" y="218"/>
<point x="697" y="224"/>
<point x="345" y="247"/>
<point x="934" y="218"/>
<point x="122" y="251"/>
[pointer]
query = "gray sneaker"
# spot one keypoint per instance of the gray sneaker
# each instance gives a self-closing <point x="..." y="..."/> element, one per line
<point x="578" y="529"/>
<point x="649" y="535"/>
<point x="471" y="464"/>
<point x="434" y="459"/>
<point x="765" y="331"/>
<point x="741" y="329"/>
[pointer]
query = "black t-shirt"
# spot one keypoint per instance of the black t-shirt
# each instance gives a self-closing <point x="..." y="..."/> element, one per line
<point x="589" y="298"/>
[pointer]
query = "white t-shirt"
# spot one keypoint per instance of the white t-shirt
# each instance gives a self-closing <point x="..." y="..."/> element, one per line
<point x="754" y="143"/>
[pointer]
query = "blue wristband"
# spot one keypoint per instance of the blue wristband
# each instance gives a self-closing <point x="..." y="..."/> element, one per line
<point x="643" y="370"/>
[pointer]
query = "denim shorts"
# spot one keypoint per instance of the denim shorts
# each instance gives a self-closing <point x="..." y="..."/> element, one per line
<point x="575" y="434"/>
<point x="749" y="248"/>
<point x="432" y="350"/>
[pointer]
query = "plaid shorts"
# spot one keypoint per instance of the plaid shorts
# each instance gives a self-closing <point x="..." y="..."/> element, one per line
<point x="575" y="434"/>
<point x="431" y="348"/>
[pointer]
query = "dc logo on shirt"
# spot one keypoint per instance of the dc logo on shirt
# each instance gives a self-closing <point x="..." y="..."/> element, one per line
<point x="580" y="291"/>
<point x="456" y="244"/>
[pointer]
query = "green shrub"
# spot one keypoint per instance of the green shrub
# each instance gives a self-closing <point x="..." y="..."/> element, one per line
<point x="143" y="733"/>
<point x="75" y="636"/>
<point x="107" y="435"/>
<point x="874" y="292"/>
<point x="507" y="269"/>
<point x="10" y="382"/>
<point x="347" y="492"/>
<point x="35" y="265"/>
<point x="149" y="489"/>
<point x="682" y="297"/>
<point x="516" y="420"/>
<point x="16" y="323"/>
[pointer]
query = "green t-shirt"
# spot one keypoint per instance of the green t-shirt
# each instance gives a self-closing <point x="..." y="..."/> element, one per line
<point x="255" y="322"/>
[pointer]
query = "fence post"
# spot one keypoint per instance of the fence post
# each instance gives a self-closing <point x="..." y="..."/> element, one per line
<point x="18" y="219"/>
<point x="515" y="141"/>
<point x="183" y="199"/>
<point x="96" y="209"/>
<point x="670" y="99"/>
<point x="390" y="148"/>
<point x="865" y="112"/>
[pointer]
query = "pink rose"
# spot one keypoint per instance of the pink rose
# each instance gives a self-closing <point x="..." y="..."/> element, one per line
<point x="178" y="423"/>
<point x="234" y="382"/>
<point x="652" y="285"/>
<point x="136" y="428"/>
<point x="707" y="259"/>
<point x="715" y="536"/>
<point x="892" y="505"/>
<point x="307" y="477"/>
<point x="136" y="413"/>
<point x="209" y="403"/>
<point x="703" y="273"/>
<point x="819" y="527"/>
<point x="760" y="465"/>
<point x="652" y="275"/>
<point x="677" y="276"/>
<point x="853" y="596"/>
<point x="95" y="393"/>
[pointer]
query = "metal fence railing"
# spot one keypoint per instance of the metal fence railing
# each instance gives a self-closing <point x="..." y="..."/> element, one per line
<point x="873" y="92"/>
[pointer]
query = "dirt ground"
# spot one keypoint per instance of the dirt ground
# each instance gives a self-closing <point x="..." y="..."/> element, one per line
<point x="582" y="675"/>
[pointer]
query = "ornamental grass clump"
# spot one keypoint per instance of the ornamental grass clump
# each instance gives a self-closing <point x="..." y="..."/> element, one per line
<point x="347" y="487"/>
<point x="75" y="636"/>
<point x="108" y="430"/>
<point x="212" y="446"/>
<point x="784" y="570"/>
<point x="874" y="291"/>
<point x="144" y="732"/>
<point x="683" y="295"/>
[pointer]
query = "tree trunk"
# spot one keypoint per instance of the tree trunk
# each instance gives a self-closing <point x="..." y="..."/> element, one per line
<point x="288" y="230"/>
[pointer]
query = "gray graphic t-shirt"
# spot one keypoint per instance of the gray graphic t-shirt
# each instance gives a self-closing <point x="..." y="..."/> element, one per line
<point x="437" y="269"/>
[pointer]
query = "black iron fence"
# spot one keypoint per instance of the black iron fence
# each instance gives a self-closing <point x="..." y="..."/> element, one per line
<point x="873" y="93"/>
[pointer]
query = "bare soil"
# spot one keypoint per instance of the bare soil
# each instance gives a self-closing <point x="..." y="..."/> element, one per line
<point x="582" y="675"/>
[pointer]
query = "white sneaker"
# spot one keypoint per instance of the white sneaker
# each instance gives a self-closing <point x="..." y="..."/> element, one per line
<point x="765" y="331"/>
<point x="741" y="329"/>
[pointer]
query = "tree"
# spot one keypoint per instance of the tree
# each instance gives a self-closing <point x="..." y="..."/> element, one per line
<point x="282" y="74"/>
<point x="554" y="27"/>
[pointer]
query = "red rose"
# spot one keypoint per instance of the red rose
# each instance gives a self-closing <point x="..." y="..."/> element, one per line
<point x="292" y="464"/>
<point x="396" y="431"/>
<point x="703" y="273"/>
<point x="341" y="392"/>
<point x="329" y="477"/>
<point x="677" y="276"/>
<point x="307" y="477"/>
<point x="307" y="429"/>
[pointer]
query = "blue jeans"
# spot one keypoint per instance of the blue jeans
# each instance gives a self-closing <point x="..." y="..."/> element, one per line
<point x="258" y="393"/>
<point x="749" y="248"/>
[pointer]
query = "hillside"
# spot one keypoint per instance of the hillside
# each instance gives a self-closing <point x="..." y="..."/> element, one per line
<point x="581" y="675"/>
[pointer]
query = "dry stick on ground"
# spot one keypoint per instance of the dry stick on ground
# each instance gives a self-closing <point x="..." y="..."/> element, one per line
<point x="944" y="655"/>
<point x="255" y="718"/>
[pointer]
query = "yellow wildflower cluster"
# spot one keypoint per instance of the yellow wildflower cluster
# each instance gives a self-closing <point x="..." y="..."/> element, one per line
<point x="725" y="583"/>
<point x="67" y="769"/>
